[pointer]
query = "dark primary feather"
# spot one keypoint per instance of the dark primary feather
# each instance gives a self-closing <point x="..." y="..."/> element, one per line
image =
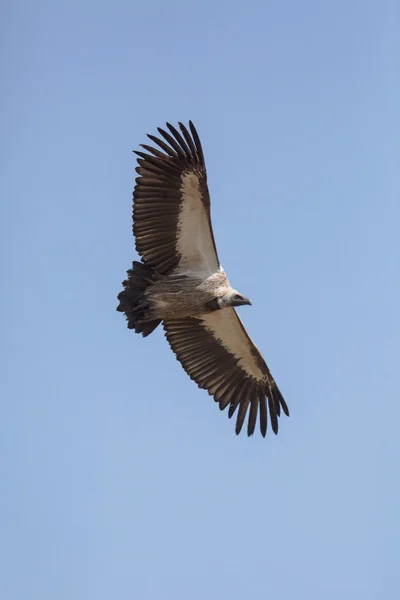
<point x="210" y="364"/>
<point x="158" y="197"/>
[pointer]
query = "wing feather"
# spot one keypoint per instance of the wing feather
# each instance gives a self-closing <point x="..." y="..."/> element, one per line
<point x="217" y="353"/>
<point x="171" y="205"/>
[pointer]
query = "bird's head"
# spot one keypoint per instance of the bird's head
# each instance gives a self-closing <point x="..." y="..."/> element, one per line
<point x="233" y="298"/>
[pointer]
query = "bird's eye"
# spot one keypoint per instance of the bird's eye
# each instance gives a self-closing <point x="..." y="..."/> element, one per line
<point x="237" y="297"/>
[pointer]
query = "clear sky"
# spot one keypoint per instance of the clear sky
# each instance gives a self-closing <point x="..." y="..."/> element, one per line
<point x="119" y="477"/>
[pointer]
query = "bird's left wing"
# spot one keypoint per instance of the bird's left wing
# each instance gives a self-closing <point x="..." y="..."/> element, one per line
<point x="217" y="353"/>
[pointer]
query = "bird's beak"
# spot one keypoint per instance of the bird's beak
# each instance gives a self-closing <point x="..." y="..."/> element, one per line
<point x="247" y="301"/>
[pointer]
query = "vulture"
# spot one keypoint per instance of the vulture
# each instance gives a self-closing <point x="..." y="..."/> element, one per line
<point x="180" y="282"/>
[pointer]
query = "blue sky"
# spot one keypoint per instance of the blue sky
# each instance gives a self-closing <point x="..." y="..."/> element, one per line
<point x="119" y="478"/>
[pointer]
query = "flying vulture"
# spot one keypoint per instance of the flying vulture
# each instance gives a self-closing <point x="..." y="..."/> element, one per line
<point x="181" y="283"/>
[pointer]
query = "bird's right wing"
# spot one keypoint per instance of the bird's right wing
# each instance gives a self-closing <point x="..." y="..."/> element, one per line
<point x="217" y="353"/>
<point x="171" y="209"/>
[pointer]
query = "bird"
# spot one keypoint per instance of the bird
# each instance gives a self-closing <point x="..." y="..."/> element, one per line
<point x="180" y="282"/>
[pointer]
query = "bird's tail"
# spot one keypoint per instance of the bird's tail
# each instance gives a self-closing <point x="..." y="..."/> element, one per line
<point x="133" y="301"/>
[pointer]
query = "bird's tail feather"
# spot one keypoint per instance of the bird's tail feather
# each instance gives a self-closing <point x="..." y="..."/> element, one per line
<point x="133" y="301"/>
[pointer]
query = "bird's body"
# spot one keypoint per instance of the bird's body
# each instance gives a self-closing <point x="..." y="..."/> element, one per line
<point x="185" y="295"/>
<point x="181" y="283"/>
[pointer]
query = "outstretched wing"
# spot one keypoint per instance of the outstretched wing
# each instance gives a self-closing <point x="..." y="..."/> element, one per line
<point x="171" y="205"/>
<point x="217" y="353"/>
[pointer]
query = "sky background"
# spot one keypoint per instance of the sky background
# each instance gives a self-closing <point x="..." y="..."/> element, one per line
<point x="119" y="477"/>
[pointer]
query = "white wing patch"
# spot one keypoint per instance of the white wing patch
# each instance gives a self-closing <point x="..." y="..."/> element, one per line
<point x="226" y="327"/>
<point x="194" y="240"/>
